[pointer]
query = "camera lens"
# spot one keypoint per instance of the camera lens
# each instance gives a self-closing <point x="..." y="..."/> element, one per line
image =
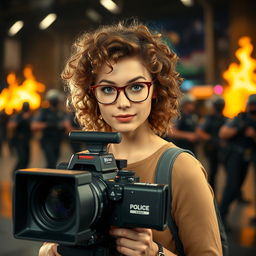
<point x="53" y="204"/>
<point x="59" y="203"/>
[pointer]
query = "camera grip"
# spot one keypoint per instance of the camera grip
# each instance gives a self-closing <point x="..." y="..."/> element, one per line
<point x="83" y="251"/>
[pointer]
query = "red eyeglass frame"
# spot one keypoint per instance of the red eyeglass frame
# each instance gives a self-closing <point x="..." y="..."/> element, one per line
<point x="119" y="89"/>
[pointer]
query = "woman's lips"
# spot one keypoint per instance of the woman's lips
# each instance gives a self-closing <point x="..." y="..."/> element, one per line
<point x="124" y="118"/>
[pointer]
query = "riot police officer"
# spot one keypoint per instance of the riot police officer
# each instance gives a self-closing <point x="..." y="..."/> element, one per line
<point x="208" y="131"/>
<point x="252" y="133"/>
<point x="239" y="134"/>
<point x="184" y="133"/>
<point x="50" y="121"/>
<point x="19" y="128"/>
<point x="4" y="118"/>
<point x="71" y="124"/>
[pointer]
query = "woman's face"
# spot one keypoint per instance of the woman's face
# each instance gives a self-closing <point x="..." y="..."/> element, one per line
<point x="124" y="115"/>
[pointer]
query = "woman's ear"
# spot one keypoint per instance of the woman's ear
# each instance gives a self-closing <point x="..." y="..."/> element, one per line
<point x="154" y="96"/>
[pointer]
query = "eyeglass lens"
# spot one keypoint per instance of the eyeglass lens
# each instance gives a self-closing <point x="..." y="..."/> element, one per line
<point x="135" y="92"/>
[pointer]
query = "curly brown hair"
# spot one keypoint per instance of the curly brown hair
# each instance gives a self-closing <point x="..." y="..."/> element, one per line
<point x="107" y="45"/>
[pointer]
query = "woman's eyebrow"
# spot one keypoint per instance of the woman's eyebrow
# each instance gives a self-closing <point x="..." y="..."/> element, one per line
<point x="130" y="81"/>
<point x="136" y="78"/>
<point x="106" y="81"/>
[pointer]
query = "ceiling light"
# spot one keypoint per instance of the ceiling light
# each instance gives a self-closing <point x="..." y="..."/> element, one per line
<point x="93" y="15"/>
<point x="47" y="21"/>
<point x="15" y="28"/>
<point x="110" y="5"/>
<point x="187" y="2"/>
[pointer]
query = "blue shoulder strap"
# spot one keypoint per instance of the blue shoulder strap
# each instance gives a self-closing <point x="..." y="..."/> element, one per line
<point x="163" y="175"/>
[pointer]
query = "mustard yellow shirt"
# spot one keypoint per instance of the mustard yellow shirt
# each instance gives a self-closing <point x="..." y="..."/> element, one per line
<point x="192" y="204"/>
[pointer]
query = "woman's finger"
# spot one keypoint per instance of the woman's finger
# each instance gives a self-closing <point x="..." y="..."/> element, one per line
<point x="55" y="249"/>
<point x="131" y="244"/>
<point x="133" y="234"/>
<point x="126" y="251"/>
<point x="49" y="249"/>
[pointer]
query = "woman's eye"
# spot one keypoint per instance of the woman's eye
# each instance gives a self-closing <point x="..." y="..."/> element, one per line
<point x="136" y="87"/>
<point x="107" y="89"/>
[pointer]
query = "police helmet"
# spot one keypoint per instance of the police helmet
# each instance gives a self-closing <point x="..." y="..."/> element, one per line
<point x="187" y="98"/>
<point x="52" y="94"/>
<point x="251" y="99"/>
<point x="218" y="103"/>
<point x="54" y="97"/>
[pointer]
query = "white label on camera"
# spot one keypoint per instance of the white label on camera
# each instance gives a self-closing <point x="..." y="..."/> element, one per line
<point x="108" y="160"/>
<point x="148" y="184"/>
<point x="139" y="209"/>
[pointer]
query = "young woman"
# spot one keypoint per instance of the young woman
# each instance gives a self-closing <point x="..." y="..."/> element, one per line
<point x="122" y="78"/>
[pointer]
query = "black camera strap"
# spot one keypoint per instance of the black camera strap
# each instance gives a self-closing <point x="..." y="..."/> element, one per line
<point x="163" y="175"/>
<point x="96" y="250"/>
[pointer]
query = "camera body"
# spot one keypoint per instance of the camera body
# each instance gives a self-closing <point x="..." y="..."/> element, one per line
<point x="77" y="203"/>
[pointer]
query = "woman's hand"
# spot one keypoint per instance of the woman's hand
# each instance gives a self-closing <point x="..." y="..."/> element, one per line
<point x="48" y="249"/>
<point x="133" y="242"/>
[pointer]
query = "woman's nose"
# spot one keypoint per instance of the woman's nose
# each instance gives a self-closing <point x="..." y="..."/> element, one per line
<point x="123" y="101"/>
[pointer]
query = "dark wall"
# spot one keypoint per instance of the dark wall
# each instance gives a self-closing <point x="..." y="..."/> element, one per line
<point x="242" y="22"/>
<point x="48" y="50"/>
<point x="46" y="53"/>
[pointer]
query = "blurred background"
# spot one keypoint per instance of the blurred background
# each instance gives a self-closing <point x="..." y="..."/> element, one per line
<point x="215" y="40"/>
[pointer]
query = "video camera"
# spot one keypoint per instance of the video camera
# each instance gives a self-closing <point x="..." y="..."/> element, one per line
<point x="75" y="204"/>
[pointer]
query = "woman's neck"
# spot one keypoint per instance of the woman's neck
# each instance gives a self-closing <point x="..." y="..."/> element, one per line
<point x="137" y="145"/>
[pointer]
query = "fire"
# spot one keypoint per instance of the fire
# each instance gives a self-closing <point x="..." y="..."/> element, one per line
<point x="13" y="97"/>
<point x="241" y="79"/>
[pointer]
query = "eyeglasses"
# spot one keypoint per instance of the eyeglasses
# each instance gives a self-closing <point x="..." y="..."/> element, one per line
<point x="135" y="92"/>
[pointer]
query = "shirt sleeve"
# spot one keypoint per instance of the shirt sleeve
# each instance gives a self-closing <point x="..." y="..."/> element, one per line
<point x="233" y="123"/>
<point x="206" y="124"/>
<point x="15" y="118"/>
<point x="193" y="208"/>
<point x="39" y="116"/>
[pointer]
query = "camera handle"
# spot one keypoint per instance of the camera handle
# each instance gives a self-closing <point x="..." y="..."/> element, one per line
<point x="96" y="142"/>
<point x="86" y="251"/>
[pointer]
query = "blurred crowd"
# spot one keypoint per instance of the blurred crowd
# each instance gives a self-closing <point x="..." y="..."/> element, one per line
<point x="230" y="142"/>
<point x="227" y="141"/>
<point x="51" y="123"/>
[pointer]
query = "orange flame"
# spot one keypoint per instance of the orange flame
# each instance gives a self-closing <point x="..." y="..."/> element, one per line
<point x="241" y="79"/>
<point x="13" y="97"/>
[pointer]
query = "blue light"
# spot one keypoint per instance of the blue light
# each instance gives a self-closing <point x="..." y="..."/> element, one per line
<point x="187" y="85"/>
